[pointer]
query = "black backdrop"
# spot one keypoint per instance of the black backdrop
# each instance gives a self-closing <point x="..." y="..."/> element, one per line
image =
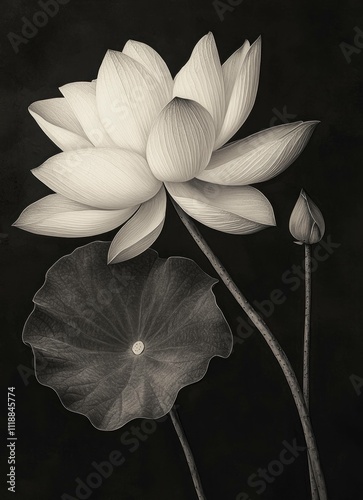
<point x="239" y="416"/>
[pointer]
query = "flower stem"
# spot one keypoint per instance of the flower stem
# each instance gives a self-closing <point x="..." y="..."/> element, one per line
<point x="272" y="342"/>
<point x="188" y="454"/>
<point x="306" y="366"/>
<point x="306" y="360"/>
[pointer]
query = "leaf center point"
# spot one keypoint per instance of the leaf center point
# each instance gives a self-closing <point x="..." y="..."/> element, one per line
<point x="138" y="348"/>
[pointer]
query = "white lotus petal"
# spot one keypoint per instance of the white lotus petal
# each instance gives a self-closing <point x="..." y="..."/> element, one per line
<point x="57" y="120"/>
<point x="243" y="95"/>
<point x="152" y="61"/>
<point x="231" y="209"/>
<point x="140" y="231"/>
<point x="232" y="67"/>
<point x="56" y="215"/>
<point x="201" y="79"/>
<point x="102" y="178"/>
<point x="129" y="98"/>
<point x="259" y="157"/>
<point x="81" y="97"/>
<point x="181" y="141"/>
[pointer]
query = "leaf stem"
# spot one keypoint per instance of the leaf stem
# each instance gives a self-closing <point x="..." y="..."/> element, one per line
<point x="273" y="344"/>
<point x="188" y="453"/>
<point x="306" y="357"/>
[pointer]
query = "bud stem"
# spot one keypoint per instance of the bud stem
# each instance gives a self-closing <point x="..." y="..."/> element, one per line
<point x="306" y="369"/>
<point x="273" y="344"/>
<point x="306" y="359"/>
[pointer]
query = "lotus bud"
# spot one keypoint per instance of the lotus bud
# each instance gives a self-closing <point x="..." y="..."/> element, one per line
<point x="306" y="222"/>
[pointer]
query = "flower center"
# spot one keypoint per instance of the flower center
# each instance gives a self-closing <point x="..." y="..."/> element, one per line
<point x="138" y="348"/>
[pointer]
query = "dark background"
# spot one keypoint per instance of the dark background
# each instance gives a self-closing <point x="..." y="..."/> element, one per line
<point x="238" y="416"/>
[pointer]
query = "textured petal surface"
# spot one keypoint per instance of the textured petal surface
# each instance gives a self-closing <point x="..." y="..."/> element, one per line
<point x="56" y="118"/>
<point x="102" y="178"/>
<point x="88" y="315"/>
<point x="152" y="61"/>
<point x="306" y="222"/>
<point x="201" y="79"/>
<point x="56" y="215"/>
<point x="141" y="231"/>
<point x="231" y="209"/>
<point x="181" y="141"/>
<point x="259" y="157"/>
<point x="242" y="96"/>
<point x="129" y="98"/>
<point x="232" y="67"/>
<point x="81" y="97"/>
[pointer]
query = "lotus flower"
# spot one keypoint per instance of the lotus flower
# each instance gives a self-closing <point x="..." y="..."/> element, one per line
<point x="119" y="342"/>
<point x="135" y="131"/>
